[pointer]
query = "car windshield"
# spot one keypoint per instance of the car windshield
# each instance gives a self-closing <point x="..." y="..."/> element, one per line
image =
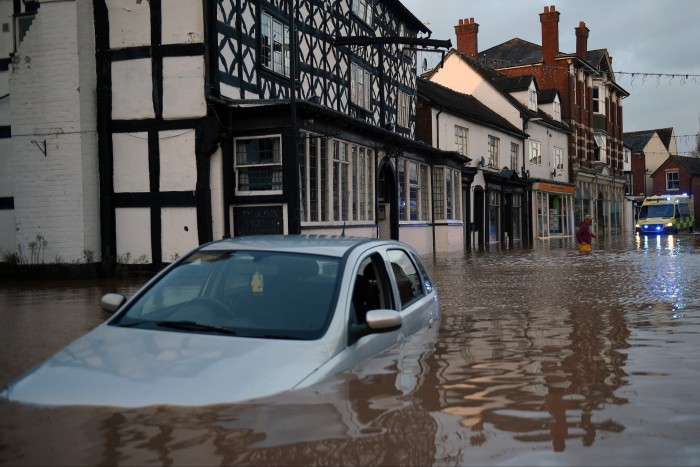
<point x="242" y="293"/>
<point x="656" y="210"/>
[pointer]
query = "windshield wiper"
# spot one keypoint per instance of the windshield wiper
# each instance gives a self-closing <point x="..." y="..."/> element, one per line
<point x="194" y="326"/>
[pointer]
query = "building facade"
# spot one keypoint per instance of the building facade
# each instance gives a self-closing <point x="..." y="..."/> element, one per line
<point x="194" y="120"/>
<point x="529" y="175"/>
<point x="591" y="104"/>
<point x="679" y="175"/>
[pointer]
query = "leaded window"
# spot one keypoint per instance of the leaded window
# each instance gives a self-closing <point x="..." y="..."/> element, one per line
<point x="275" y="50"/>
<point x="258" y="165"/>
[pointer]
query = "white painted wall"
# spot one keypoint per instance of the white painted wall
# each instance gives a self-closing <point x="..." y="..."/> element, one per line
<point x="655" y="154"/>
<point x="549" y="138"/>
<point x="179" y="232"/>
<point x="52" y="84"/>
<point x="133" y="234"/>
<point x="457" y="75"/>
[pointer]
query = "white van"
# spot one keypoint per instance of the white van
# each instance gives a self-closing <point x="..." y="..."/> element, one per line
<point x="665" y="214"/>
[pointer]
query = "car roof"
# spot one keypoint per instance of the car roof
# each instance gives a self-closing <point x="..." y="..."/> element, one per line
<point x="326" y="245"/>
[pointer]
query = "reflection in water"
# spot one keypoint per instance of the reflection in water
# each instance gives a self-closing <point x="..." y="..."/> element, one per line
<point x="543" y="356"/>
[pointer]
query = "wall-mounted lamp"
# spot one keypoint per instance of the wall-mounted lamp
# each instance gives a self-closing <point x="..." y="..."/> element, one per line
<point x="554" y="173"/>
<point x="482" y="161"/>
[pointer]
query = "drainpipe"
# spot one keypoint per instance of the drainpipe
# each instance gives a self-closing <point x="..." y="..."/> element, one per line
<point x="437" y="144"/>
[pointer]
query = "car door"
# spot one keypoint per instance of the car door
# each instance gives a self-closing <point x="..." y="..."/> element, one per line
<point x="372" y="288"/>
<point x="416" y="297"/>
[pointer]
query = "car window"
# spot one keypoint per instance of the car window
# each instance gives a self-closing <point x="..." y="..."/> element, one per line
<point x="371" y="289"/>
<point x="270" y="294"/>
<point x="408" y="280"/>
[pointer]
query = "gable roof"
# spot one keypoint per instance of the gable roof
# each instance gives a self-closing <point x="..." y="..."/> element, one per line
<point x="511" y="53"/>
<point x="637" y="140"/>
<point x="690" y="164"/>
<point x="504" y="85"/>
<point x="514" y="83"/>
<point x="665" y="134"/>
<point x="547" y="96"/>
<point x="489" y="75"/>
<point x="465" y="106"/>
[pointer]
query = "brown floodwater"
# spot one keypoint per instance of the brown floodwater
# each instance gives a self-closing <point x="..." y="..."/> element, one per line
<point x="544" y="356"/>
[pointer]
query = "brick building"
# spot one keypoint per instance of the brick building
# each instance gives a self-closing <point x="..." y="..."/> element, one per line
<point x="676" y="176"/>
<point x="591" y="104"/>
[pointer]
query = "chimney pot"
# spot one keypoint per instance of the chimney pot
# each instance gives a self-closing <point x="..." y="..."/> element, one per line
<point x="467" y="31"/>
<point x="550" y="34"/>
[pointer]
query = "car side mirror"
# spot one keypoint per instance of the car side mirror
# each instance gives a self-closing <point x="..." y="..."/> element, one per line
<point x="383" y="320"/>
<point x="378" y="321"/>
<point x="112" y="301"/>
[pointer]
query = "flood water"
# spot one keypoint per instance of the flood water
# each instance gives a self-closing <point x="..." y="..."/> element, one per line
<point x="543" y="356"/>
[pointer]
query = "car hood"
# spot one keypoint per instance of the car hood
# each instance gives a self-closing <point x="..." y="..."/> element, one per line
<point x="134" y="367"/>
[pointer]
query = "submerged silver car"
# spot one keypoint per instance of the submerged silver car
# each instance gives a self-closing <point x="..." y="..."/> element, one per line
<point x="239" y="319"/>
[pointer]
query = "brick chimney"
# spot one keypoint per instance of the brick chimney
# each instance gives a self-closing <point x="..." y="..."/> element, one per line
<point x="467" y="32"/>
<point x="582" y="40"/>
<point x="550" y="34"/>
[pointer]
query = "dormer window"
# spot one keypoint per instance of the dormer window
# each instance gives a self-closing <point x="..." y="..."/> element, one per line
<point x="532" y="99"/>
<point x="557" y="110"/>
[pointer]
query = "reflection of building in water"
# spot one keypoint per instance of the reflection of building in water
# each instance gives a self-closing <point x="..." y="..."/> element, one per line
<point x="540" y="374"/>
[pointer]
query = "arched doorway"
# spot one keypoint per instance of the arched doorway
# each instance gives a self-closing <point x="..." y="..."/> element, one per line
<point x="387" y="202"/>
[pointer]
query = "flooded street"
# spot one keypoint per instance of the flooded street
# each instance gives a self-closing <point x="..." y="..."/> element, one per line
<point x="544" y="356"/>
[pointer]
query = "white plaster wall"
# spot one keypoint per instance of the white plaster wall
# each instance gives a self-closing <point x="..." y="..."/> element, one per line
<point x="477" y="139"/>
<point x="182" y="21"/>
<point x="655" y="153"/>
<point x="53" y="100"/>
<point x="216" y="185"/>
<point x="449" y="238"/>
<point x="132" y="88"/>
<point x="419" y="237"/>
<point x="130" y="162"/>
<point x="133" y="231"/>
<point x="183" y="87"/>
<point x="179" y="232"/>
<point x="129" y="23"/>
<point x="178" y="164"/>
<point x="457" y="75"/>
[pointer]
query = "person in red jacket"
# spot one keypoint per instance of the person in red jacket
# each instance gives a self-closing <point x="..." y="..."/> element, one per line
<point x="584" y="234"/>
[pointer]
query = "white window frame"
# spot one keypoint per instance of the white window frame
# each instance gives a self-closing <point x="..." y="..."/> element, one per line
<point x="557" y="110"/>
<point x="535" y="152"/>
<point x="532" y="99"/>
<point x="599" y="99"/>
<point x="276" y="32"/>
<point x="417" y="191"/>
<point x="558" y="158"/>
<point x="347" y="171"/>
<point x="360" y="86"/>
<point x="241" y="168"/>
<point x="461" y="139"/>
<point x="673" y="185"/>
<point x="494" y="143"/>
<point x="447" y="194"/>
<point x="514" y="155"/>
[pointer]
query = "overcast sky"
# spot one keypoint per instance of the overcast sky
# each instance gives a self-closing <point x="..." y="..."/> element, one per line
<point x="642" y="36"/>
